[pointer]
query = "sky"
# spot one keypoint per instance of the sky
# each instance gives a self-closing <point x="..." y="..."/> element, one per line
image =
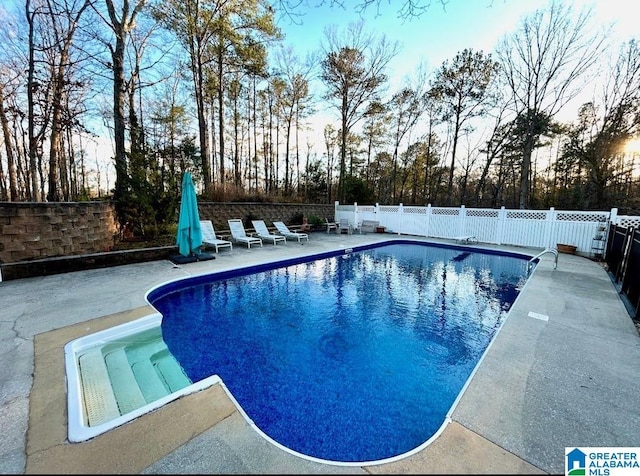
<point x="441" y="32"/>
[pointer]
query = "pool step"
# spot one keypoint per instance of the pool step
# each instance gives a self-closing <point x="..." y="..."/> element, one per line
<point x="159" y="375"/>
<point x="121" y="377"/>
<point x="99" y="401"/>
<point x="151" y="385"/>
<point x="171" y="371"/>
<point x="144" y="350"/>
<point x="123" y="381"/>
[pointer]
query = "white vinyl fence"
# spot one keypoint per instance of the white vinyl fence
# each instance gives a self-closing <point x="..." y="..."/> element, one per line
<point x="532" y="228"/>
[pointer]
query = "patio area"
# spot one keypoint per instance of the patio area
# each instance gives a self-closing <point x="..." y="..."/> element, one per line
<point x="544" y="385"/>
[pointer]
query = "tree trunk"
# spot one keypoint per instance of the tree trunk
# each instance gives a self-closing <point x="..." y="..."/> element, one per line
<point x="456" y="132"/>
<point x="524" y="172"/>
<point x="53" y="195"/>
<point x="117" y="57"/>
<point x="343" y="150"/>
<point x="33" y="165"/>
<point x="11" y="165"/>
<point x="221" y="114"/>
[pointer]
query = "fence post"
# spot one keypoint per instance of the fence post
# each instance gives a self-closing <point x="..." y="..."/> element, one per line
<point x="355" y="214"/>
<point x="613" y="216"/>
<point x="502" y="219"/>
<point x="401" y="221"/>
<point x="551" y="219"/>
<point x="462" y="218"/>
<point x="428" y="231"/>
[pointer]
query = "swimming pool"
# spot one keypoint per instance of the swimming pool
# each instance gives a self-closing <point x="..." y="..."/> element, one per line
<point x="352" y="357"/>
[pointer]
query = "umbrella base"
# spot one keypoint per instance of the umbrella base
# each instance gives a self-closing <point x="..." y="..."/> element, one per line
<point x="204" y="256"/>
<point x="192" y="258"/>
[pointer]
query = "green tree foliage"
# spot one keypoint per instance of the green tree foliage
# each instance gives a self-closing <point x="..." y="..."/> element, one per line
<point x="356" y="190"/>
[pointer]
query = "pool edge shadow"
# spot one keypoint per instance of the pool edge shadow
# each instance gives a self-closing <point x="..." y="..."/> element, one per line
<point x="126" y="449"/>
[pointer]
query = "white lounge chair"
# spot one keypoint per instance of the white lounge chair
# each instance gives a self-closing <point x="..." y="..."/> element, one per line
<point x="240" y="235"/>
<point x="263" y="232"/>
<point x="209" y="236"/>
<point x="284" y="231"/>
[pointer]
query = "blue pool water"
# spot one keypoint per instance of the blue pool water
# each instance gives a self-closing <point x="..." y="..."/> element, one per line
<point x="350" y="358"/>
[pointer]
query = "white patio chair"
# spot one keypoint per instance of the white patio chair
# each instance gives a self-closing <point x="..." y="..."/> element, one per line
<point x="263" y="232"/>
<point x="239" y="234"/>
<point x="209" y="236"/>
<point x="284" y="231"/>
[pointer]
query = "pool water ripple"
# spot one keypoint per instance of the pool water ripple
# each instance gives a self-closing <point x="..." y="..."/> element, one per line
<point x="346" y="360"/>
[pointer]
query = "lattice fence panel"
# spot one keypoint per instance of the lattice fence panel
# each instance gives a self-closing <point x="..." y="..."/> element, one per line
<point x="628" y="220"/>
<point x="482" y="212"/>
<point x="445" y="211"/>
<point x="527" y="215"/>
<point x="582" y="216"/>
<point x="535" y="228"/>
<point x="414" y="210"/>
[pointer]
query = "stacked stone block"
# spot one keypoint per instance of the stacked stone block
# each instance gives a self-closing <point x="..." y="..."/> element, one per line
<point x="219" y="213"/>
<point x="31" y="230"/>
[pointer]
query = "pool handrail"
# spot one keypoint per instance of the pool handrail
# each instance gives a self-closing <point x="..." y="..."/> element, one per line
<point x="546" y="250"/>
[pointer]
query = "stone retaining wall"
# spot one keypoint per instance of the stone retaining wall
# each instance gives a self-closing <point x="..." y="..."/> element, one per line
<point x="35" y="230"/>
<point x="219" y="212"/>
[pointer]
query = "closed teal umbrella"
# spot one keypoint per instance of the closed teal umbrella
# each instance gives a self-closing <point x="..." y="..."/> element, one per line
<point x="189" y="237"/>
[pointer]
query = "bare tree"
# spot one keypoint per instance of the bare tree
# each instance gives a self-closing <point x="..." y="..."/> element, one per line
<point x="30" y="15"/>
<point x="63" y="19"/>
<point x="406" y="9"/>
<point x="596" y="143"/>
<point x="462" y="87"/>
<point x="121" y="21"/>
<point x="12" y="193"/>
<point x="543" y="62"/>
<point x="405" y="108"/>
<point x="296" y="75"/>
<point x="330" y="142"/>
<point x="354" y="72"/>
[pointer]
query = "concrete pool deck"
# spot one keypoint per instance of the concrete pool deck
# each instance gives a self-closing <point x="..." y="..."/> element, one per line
<point x="543" y="385"/>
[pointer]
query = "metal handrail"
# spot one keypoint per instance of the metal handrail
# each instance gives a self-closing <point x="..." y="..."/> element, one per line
<point x="546" y="250"/>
